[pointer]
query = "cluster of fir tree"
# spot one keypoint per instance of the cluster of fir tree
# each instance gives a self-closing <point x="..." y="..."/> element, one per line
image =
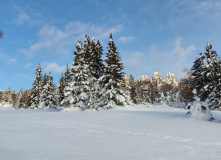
<point x="42" y="95"/>
<point x="93" y="84"/>
<point x="8" y="97"/>
<point x="17" y="100"/>
<point x="206" y="78"/>
<point x="88" y="84"/>
<point x="157" y="90"/>
<point x="22" y="100"/>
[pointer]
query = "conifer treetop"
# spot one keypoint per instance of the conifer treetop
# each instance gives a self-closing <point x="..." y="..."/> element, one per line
<point x="209" y="47"/>
<point x="79" y="45"/>
<point x="111" y="38"/>
<point x="93" y="40"/>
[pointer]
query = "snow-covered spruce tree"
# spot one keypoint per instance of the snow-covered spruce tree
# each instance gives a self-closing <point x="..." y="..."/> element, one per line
<point x="138" y="92"/>
<point x="78" y="90"/>
<point x="92" y="55"/>
<point x="36" y="89"/>
<point x="132" y="89"/>
<point x="142" y="91"/>
<point x="48" y="98"/>
<point x="66" y="75"/>
<point x="12" y="97"/>
<point x="111" y="93"/>
<point x="26" y="99"/>
<point x="7" y="97"/>
<point x="197" y="71"/>
<point x="19" y="100"/>
<point x="206" y="79"/>
<point x="155" y="90"/>
<point x="90" y="59"/>
<point x="96" y="69"/>
<point x="61" y="89"/>
<point x="87" y="50"/>
<point x="185" y="88"/>
<point x="200" y="110"/>
<point x="45" y="79"/>
<point x="215" y="95"/>
<point x="206" y="74"/>
<point x="96" y="63"/>
<point x="209" y="70"/>
<point x="146" y="94"/>
<point x="213" y="74"/>
<point x="1" y="96"/>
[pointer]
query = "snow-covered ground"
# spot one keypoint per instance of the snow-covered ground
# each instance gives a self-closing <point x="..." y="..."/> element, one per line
<point x="133" y="133"/>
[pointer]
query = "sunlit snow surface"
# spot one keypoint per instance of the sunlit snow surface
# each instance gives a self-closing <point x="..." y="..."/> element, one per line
<point x="132" y="133"/>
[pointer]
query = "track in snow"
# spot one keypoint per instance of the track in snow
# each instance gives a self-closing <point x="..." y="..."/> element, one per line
<point x="157" y="132"/>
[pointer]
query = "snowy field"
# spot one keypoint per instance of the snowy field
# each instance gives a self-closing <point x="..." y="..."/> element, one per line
<point x="134" y="133"/>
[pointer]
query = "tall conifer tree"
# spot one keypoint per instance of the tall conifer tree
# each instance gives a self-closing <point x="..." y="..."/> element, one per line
<point x="111" y="94"/>
<point x="48" y="97"/>
<point x="78" y="90"/>
<point x="36" y="89"/>
<point x="61" y="89"/>
<point x="197" y="74"/>
<point x="207" y="76"/>
<point x="96" y="64"/>
<point x="66" y="75"/>
<point x="45" y="79"/>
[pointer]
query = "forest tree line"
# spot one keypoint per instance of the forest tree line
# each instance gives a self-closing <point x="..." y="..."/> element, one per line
<point x="90" y="83"/>
<point x="93" y="83"/>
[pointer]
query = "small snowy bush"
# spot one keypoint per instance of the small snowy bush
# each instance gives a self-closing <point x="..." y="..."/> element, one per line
<point x="200" y="110"/>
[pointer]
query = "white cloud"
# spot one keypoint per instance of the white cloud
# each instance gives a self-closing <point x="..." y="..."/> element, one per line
<point x="6" y="59"/>
<point x="192" y="10"/>
<point x="54" y="68"/>
<point x="29" y="65"/>
<point x="26" y="14"/>
<point x="12" y="60"/>
<point x="135" y="63"/>
<point x="58" y="40"/>
<point x="126" y="39"/>
<point x="160" y="60"/>
<point x="49" y="36"/>
<point x="173" y="60"/>
<point x="21" y="18"/>
<point x="208" y="9"/>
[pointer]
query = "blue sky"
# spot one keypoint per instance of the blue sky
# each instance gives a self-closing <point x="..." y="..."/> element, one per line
<point x="151" y="35"/>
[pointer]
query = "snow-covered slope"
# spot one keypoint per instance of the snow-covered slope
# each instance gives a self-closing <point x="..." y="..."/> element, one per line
<point x="135" y="132"/>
